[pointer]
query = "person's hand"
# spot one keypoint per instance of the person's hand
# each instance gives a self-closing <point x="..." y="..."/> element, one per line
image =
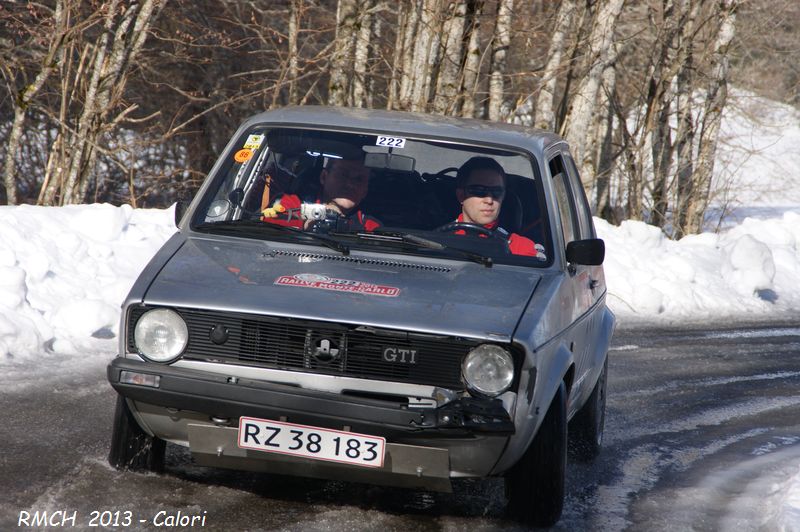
<point x="274" y="211"/>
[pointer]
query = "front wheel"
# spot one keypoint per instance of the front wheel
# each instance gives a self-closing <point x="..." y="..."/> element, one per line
<point x="586" y="428"/>
<point x="131" y="447"/>
<point x="535" y="487"/>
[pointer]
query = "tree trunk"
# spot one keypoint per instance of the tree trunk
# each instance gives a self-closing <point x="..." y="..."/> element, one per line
<point x="445" y="101"/>
<point x="659" y="110"/>
<point x="399" y="52"/>
<point x="362" y="53"/>
<point x="472" y="62"/>
<point x="54" y="57"/>
<point x="716" y="98"/>
<point x="409" y="45"/>
<point x="583" y="102"/>
<point x="545" y="102"/>
<point x="294" y="69"/>
<point x="500" y="43"/>
<point x="605" y="130"/>
<point x="341" y="67"/>
<point x="684" y="137"/>
<point x="426" y="54"/>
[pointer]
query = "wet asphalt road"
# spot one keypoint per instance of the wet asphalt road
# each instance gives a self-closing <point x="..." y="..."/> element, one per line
<point x="702" y="433"/>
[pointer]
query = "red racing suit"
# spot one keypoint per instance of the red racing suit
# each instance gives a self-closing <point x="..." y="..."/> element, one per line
<point x="517" y="244"/>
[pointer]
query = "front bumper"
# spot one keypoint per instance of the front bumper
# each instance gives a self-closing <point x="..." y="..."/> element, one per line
<point x="225" y="397"/>
<point x="425" y="446"/>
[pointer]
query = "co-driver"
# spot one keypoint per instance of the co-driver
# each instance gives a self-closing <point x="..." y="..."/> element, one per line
<point x="344" y="185"/>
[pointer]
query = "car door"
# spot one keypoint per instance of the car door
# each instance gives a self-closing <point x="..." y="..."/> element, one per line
<point x="584" y="285"/>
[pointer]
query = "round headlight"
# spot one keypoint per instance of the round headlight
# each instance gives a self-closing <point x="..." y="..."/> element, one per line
<point x="161" y="335"/>
<point x="488" y="370"/>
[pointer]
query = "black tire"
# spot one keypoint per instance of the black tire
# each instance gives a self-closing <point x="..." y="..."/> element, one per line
<point x="132" y="448"/>
<point x="535" y="487"/>
<point x="586" y="428"/>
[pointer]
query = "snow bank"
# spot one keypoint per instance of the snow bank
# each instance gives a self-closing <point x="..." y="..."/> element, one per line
<point x="65" y="271"/>
<point x="747" y="272"/>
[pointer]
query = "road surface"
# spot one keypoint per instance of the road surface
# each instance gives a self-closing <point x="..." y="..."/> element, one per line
<point x="702" y="433"/>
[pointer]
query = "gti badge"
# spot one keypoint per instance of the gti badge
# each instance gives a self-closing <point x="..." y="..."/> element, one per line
<point x="401" y="356"/>
<point x="325" y="350"/>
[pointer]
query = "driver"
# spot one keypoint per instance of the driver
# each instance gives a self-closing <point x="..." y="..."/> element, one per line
<point x="481" y="188"/>
<point x="344" y="184"/>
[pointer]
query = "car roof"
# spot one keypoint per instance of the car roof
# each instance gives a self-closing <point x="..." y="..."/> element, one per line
<point x="400" y="123"/>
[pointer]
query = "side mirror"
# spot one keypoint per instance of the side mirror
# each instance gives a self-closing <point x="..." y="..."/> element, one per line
<point x="590" y="252"/>
<point x="180" y="209"/>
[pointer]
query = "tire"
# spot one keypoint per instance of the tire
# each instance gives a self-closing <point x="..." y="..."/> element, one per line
<point x="535" y="487"/>
<point x="132" y="448"/>
<point x="586" y="428"/>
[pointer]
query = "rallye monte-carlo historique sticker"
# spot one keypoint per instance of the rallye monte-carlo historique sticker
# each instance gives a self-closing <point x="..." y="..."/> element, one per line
<point x="322" y="282"/>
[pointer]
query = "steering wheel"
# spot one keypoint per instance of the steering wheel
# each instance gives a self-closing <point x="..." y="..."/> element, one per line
<point x="464" y="226"/>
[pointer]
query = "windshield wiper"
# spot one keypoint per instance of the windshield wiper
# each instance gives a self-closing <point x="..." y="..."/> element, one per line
<point x="422" y="242"/>
<point x="257" y="227"/>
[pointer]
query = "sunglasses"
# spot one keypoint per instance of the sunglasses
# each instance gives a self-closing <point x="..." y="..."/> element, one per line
<point x="482" y="191"/>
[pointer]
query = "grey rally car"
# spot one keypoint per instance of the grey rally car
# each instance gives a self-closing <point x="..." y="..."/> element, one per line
<point x="381" y="297"/>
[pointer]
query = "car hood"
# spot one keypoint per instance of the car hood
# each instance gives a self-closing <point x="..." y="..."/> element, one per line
<point x="382" y="290"/>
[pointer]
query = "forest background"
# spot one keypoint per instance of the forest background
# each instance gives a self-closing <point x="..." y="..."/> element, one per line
<point x="131" y="101"/>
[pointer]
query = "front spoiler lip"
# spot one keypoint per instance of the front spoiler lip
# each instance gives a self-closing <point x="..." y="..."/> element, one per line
<point x="219" y="396"/>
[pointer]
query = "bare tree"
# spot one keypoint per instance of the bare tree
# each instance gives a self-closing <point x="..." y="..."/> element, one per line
<point x="361" y="54"/>
<point x="294" y="30"/>
<point x="545" y="103"/>
<point x="684" y="136"/>
<point x="602" y="138"/>
<point x="57" y="34"/>
<point x="342" y="62"/>
<point x="716" y="98"/>
<point x="426" y="54"/>
<point x="410" y="27"/>
<point x="449" y="79"/>
<point x="107" y="62"/>
<point x="107" y="100"/>
<point x="582" y="108"/>
<point x="500" y="43"/>
<point x="472" y="61"/>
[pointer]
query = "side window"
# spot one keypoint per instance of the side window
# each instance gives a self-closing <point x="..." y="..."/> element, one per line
<point x="581" y="203"/>
<point x="566" y="210"/>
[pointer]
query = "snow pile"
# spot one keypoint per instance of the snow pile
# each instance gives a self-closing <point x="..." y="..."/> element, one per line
<point x="65" y="271"/>
<point x="747" y="272"/>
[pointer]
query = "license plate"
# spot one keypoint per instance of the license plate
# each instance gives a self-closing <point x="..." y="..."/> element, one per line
<point x="311" y="442"/>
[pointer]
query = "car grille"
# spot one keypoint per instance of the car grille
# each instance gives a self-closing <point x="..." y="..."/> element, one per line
<point x="320" y="347"/>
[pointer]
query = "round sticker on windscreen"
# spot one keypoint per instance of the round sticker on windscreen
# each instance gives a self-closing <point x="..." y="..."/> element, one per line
<point x="242" y="156"/>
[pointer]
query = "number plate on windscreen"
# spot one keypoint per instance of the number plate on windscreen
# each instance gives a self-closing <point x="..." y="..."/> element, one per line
<point x="311" y="442"/>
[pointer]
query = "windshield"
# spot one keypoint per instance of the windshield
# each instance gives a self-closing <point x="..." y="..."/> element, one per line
<point x="380" y="192"/>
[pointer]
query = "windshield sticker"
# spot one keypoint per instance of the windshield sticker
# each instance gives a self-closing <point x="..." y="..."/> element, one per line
<point x="391" y="142"/>
<point x="322" y="282"/>
<point x="253" y="142"/>
<point x="242" y="156"/>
